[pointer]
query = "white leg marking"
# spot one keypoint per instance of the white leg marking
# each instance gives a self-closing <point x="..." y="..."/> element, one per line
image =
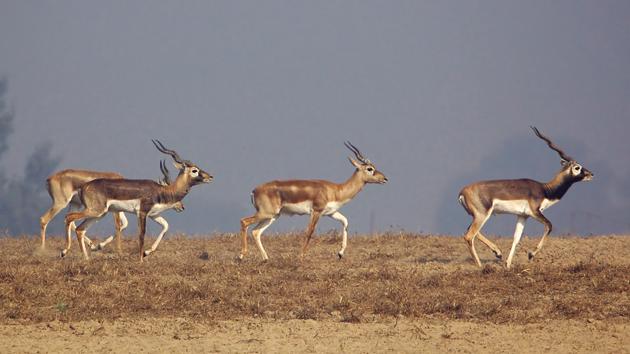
<point x="518" y="232"/>
<point x="101" y="245"/>
<point x="69" y="230"/>
<point x="344" y="235"/>
<point x="257" y="233"/>
<point x="83" y="248"/>
<point x="89" y="242"/>
<point x="123" y="219"/>
<point x="160" y="220"/>
<point x="123" y="225"/>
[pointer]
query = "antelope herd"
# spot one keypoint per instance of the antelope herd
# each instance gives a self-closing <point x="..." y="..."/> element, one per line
<point x="100" y="193"/>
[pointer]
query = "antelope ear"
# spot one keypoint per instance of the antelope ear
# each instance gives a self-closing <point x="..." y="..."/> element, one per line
<point x="354" y="162"/>
<point x="178" y="165"/>
<point x="564" y="162"/>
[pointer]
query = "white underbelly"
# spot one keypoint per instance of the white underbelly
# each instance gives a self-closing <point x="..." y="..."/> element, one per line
<point x="159" y="208"/>
<point x="516" y="207"/>
<point x="301" y="208"/>
<point x="304" y="208"/>
<point x="129" y="206"/>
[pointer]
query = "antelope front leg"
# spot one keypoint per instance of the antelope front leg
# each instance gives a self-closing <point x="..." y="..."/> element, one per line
<point x="99" y="246"/>
<point x="542" y="219"/>
<point x="121" y="223"/>
<point x="344" y="235"/>
<point x="160" y="220"/>
<point x="142" y="228"/>
<point x="518" y="232"/>
<point x="309" y="231"/>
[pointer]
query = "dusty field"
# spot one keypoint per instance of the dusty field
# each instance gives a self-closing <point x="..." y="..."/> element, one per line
<point x="398" y="292"/>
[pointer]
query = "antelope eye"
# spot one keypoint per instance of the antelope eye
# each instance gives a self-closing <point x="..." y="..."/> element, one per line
<point x="195" y="171"/>
<point x="370" y="169"/>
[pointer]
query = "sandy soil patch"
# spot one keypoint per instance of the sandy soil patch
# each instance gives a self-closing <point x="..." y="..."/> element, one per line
<point x="268" y="336"/>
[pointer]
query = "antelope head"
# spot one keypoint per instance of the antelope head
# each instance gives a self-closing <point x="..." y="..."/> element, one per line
<point x="188" y="171"/>
<point x="571" y="169"/>
<point x="365" y="168"/>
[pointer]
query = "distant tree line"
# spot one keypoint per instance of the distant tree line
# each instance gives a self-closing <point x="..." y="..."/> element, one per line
<point x="22" y="199"/>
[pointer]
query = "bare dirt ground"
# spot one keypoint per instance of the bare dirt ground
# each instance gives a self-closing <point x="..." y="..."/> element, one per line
<point x="395" y="292"/>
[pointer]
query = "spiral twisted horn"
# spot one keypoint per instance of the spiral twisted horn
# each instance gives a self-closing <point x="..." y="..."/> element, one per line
<point x="551" y="145"/>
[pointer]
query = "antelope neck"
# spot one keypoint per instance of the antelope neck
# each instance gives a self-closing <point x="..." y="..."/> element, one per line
<point x="558" y="186"/>
<point x="351" y="187"/>
<point x="175" y="191"/>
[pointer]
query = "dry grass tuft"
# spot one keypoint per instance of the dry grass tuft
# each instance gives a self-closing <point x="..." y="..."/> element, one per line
<point x="382" y="276"/>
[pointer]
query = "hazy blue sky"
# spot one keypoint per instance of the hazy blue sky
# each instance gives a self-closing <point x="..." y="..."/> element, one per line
<point x="437" y="93"/>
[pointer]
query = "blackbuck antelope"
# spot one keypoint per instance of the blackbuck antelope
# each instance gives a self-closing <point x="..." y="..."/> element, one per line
<point x="165" y="181"/>
<point x="521" y="197"/>
<point x="63" y="188"/>
<point x="302" y="197"/>
<point x="145" y="198"/>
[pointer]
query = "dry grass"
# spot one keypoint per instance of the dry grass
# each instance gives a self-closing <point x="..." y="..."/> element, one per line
<point x="382" y="276"/>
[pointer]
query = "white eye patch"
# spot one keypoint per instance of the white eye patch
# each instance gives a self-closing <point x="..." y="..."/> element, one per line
<point x="194" y="172"/>
<point x="370" y="170"/>
<point x="577" y="169"/>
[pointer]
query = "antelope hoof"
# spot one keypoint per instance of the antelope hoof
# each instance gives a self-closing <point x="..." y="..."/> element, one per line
<point x="146" y="254"/>
<point x="530" y="255"/>
<point x="63" y="253"/>
<point x="498" y="255"/>
<point x="340" y="255"/>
